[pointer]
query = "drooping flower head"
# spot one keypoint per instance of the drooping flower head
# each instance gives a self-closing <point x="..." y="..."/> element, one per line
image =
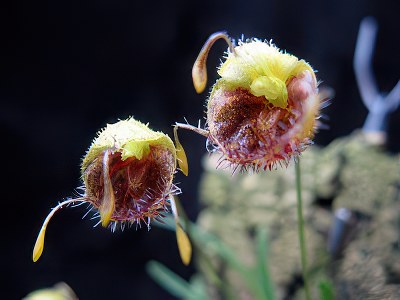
<point x="128" y="176"/>
<point x="263" y="108"/>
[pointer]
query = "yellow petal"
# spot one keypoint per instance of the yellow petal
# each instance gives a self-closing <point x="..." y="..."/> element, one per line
<point x="282" y="65"/>
<point x="180" y="154"/>
<point x="184" y="246"/>
<point x="39" y="245"/>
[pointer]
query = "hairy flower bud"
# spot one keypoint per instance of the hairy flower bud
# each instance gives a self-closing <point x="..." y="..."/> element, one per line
<point x="127" y="175"/>
<point x="263" y="109"/>
<point x="128" y="172"/>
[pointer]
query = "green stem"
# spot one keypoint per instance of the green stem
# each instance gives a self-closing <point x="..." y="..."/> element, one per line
<point x="302" y="239"/>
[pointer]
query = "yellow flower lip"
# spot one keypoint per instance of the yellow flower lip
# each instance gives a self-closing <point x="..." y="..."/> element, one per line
<point x="272" y="88"/>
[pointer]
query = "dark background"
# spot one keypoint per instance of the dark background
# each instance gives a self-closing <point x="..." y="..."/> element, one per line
<point x="69" y="67"/>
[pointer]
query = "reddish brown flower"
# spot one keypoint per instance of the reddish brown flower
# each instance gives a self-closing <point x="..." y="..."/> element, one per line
<point x="127" y="175"/>
<point x="263" y="109"/>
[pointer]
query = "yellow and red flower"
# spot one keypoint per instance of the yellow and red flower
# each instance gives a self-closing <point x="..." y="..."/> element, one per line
<point x="262" y="110"/>
<point x="128" y="176"/>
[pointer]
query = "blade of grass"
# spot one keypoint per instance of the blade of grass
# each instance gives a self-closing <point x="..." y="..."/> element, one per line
<point x="226" y="254"/>
<point x="262" y="264"/>
<point x="170" y="281"/>
<point x="204" y="240"/>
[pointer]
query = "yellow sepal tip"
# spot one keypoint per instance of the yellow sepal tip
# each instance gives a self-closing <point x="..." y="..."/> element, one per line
<point x="39" y="245"/>
<point x="180" y="154"/>
<point x="199" y="76"/>
<point x="105" y="219"/>
<point x="184" y="245"/>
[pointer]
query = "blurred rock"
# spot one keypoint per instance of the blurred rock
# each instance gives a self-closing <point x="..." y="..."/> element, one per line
<point x="349" y="173"/>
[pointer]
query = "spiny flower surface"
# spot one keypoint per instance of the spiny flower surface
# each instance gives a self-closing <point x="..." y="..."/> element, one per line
<point x="128" y="176"/>
<point x="128" y="172"/>
<point x="263" y="109"/>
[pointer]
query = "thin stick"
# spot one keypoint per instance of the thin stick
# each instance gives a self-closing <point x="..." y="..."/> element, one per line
<point x="198" y="130"/>
<point x="302" y="239"/>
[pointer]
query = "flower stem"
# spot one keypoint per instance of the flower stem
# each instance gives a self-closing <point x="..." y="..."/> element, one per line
<point x="302" y="239"/>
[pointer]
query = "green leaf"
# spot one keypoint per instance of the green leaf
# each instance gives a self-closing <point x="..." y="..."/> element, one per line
<point x="199" y="287"/>
<point x="262" y="254"/>
<point x="210" y="241"/>
<point x="207" y="240"/>
<point x="170" y="281"/>
<point x="326" y="290"/>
